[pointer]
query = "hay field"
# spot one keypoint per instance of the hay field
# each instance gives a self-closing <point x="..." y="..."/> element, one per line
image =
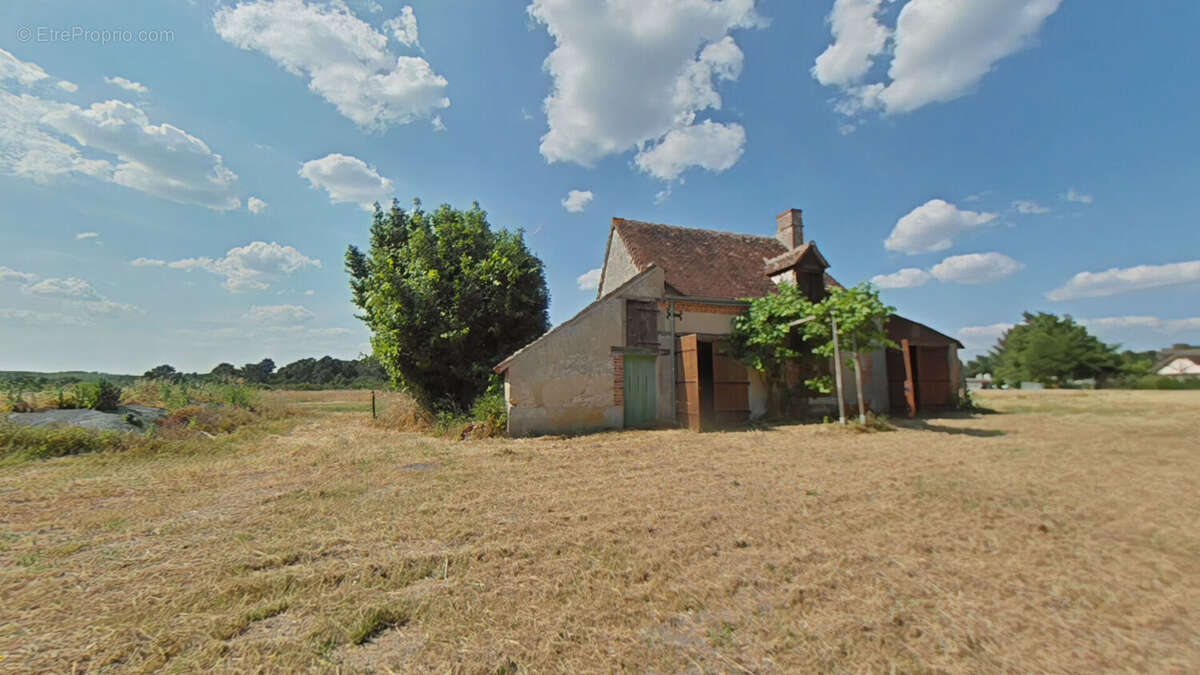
<point x="1062" y="535"/>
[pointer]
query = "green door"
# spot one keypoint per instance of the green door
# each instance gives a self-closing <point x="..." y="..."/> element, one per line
<point x="641" y="402"/>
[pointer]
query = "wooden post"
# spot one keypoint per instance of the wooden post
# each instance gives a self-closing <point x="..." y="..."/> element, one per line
<point x="910" y="383"/>
<point x="862" y="406"/>
<point x="837" y="373"/>
<point x="373" y="404"/>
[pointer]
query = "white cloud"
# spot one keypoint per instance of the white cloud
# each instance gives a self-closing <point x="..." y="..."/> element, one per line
<point x="55" y="318"/>
<point x="975" y="268"/>
<point x="161" y="160"/>
<point x="9" y="274"/>
<point x="279" y="314"/>
<point x="972" y="268"/>
<point x="147" y="262"/>
<point x="709" y="145"/>
<point x="71" y="288"/>
<point x="256" y="205"/>
<point x="404" y="27"/>
<point x="29" y="150"/>
<point x="328" y="332"/>
<point x="1029" y="208"/>
<point x="577" y="200"/>
<point x="933" y="226"/>
<point x="87" y="235"/>
<point x="908" y="277"/>
<point x="1077" y="197"/>
<point x="346" y="60"/>
<point x="127" y="85"/>
<point x="589" y="280"/>
<point x="68" y="86"/>
<point x="939" y="50"/>
<point x="80" y="295"/>
<point x="25" y="74"/>
<point x="1144" y="329"/>
<point x="629" y="73"/>
<point x="310" y="292"/>
<point x="347" y="179"/>
<point x="981" y="337"/>
<point x="438" y="124"/>
<point x="857" y="38"/>
<point x="251" y="267"/>
<point x="1124" y="280"/>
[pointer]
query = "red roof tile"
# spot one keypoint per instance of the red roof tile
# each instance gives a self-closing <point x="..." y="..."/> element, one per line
<point x="702" y="263"/>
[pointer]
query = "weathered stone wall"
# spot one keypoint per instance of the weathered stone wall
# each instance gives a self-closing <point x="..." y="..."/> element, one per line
<point x="619" y="267"/>
<point x="564" y="382"/>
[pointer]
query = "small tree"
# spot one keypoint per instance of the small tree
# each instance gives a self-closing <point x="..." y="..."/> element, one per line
<point x="258" y="372"/>
<point x="163" y="372"/>
<point x="762" y="338"/>
<point x="446" y="297"/>
<point x="861" y="319"/>
<point x="225" y="371"/>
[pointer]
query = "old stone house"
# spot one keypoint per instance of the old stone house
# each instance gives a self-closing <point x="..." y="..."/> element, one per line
<point x="652" y="351"/>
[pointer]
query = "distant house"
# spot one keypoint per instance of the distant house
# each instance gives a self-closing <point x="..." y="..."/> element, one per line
<point x="980" y="382"/>
<point x="1179" y="361"/>
<point x="652" y="349"/>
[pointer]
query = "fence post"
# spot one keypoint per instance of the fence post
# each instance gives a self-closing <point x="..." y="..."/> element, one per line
<point x="373" y="404"/>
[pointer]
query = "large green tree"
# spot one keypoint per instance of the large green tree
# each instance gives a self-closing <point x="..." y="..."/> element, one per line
<point x="446" y="297"/>
<point x="1052" y="350"/>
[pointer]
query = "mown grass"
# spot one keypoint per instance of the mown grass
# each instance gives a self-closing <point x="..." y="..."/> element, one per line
<point x="1063" y="541"/>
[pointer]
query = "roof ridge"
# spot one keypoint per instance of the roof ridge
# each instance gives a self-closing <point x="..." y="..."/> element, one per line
<point x="697" y="229"/>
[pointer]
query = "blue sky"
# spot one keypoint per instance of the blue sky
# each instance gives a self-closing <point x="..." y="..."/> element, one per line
<point x="977" y="158"/>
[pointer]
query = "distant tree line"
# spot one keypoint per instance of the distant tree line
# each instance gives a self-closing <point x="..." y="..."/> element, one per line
<point x="309" y="373"/>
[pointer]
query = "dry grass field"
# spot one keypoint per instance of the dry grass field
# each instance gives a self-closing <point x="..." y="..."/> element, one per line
<point x="1061" y="534"/>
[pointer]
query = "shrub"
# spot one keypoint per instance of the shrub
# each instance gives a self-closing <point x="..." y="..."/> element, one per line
<point x="100" y="395"/>
<point x="22" y="442"/>
<point x="492" y="409"/>
<point x="211" y="419"/>
<point x="1155" y="382"/>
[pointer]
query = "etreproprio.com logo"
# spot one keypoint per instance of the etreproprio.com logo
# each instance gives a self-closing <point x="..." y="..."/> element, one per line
<point x="101" y="36"/>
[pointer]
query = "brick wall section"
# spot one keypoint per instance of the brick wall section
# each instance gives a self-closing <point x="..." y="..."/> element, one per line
<point x="703" y="308"/>
<point x="618" y="380"/>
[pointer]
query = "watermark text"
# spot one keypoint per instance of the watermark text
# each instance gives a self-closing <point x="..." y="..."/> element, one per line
<point x="103" y="36"/>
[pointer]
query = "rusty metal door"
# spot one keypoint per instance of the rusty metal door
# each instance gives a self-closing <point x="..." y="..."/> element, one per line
<point x="687" y="383"/>
<point x="731" y="385"/>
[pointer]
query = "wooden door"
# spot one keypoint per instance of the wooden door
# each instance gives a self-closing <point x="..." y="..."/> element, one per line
<point x="933" y="377"/>
<point x="641" y="400"/>
<point x="687" y="383"/>
<point x="641" y="324"/>
<point x="731" y="388"/>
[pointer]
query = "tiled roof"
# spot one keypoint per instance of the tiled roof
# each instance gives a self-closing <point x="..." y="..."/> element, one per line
<point x="787" y="260"/>
<point x="702" y="263"/>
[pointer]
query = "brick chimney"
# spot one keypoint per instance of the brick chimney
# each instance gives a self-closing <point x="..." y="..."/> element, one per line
<point x="790" y="228"/>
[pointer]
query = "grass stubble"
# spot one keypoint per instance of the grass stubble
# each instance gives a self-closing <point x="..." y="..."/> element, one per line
<point x="1060" y="535"/>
